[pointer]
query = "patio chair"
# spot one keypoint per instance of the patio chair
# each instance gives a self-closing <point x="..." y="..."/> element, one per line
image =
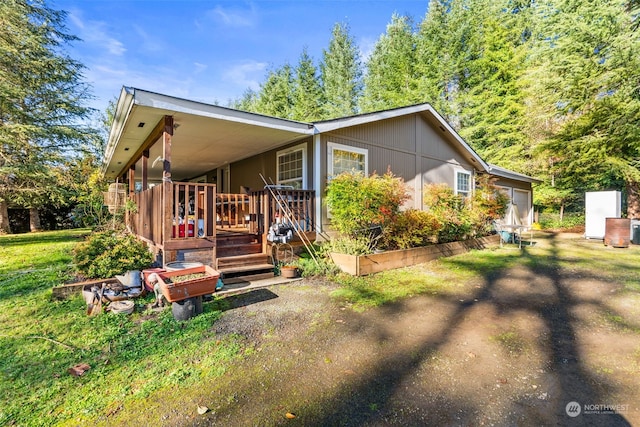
<point x="506" y="236"/>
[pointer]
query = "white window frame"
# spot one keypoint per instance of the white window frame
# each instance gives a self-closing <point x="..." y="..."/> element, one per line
<point x="455" y="182"/>
<point x="331" y="146"/>
<point x="300" y="147"/>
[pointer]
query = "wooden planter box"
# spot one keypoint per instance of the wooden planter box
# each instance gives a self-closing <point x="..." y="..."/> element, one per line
<point x="188" y="288"/>
<point x="362" y="265"/>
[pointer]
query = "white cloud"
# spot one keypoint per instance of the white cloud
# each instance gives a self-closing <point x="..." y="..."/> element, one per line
<point x="199" y="67"/>
<point x="149" y="43"/>
<point x="232" y="17"/>
<point x="96" y="33"/>
<point x="247" y="74"/>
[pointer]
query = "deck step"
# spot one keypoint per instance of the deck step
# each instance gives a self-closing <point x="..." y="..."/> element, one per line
<point x="249" y="268"/>
<point x="240" y="249"/>
<point x="242" y="260"/>
<point x="235" y="239"/>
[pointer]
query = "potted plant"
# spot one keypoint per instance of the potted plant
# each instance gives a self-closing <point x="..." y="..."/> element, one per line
<point x="289" y="271"/>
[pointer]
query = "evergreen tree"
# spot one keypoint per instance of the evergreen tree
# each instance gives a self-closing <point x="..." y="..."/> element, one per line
<point x="275" y="96"/>
<point x="390" y="80"/>
<point x="41" y="102"/>
<point x="307" y="91"/>
<point x="492" y="107"/>
<point x="589" y="54"/>
<point x="248" y="101"/>
<point x="341" y="74"/>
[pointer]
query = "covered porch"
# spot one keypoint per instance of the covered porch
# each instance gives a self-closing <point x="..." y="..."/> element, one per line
<point x="192" y="222"/>
<point x="173" y="159"/>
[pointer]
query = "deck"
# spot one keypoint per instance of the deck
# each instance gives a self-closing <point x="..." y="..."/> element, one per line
<point x="226" y="231"/>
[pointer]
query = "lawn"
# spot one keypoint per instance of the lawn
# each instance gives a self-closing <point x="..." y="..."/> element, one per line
<point x="130" y="356"/>
<point x="149" y="357"/>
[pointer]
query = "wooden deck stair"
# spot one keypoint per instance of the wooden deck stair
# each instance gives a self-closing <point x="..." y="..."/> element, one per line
<point x="241" y="254"/>
<point x="251" y="263"/>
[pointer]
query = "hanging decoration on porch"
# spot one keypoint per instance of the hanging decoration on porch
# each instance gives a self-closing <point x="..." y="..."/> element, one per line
<point x="115" y="197"/>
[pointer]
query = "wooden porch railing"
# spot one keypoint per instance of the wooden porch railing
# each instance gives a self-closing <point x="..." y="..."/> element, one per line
<point x="233" y="210"/>
<point x="196" y="210"/>
<point x="293" y="207"/>
<point x="146" y="221"/>
<point x="192" y="211"/>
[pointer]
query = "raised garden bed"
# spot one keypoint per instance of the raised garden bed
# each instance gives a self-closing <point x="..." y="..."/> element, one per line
<point x="189" y="282"/>
<point x="362" y="265"/>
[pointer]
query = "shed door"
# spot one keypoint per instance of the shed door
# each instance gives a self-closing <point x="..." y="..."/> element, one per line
<point x="522" y="199"/>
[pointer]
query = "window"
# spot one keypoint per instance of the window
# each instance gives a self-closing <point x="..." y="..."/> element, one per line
<point x="291" y="166"/>
<point x="463" y="183"/>
<point x="342" y="158"/>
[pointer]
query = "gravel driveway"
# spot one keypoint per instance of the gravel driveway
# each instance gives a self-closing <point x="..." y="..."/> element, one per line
<point x="514" y="347"/>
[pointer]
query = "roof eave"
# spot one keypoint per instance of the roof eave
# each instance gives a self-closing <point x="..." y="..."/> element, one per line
<point x="506" y="173"/>
<point x="123" y="109"/>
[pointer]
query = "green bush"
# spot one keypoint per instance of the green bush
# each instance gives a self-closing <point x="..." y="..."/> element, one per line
<point x="488" y="203"/>
<point x="358" y="245"/>
<point x="358" y="202"/>
<point x="552" y="221"/>
<point x="465" y="218"/>
<point x="412" y="228"/>
<point x="108" y="253"/>
<point x="450" y="210"/>
<point x="322" y="266"/>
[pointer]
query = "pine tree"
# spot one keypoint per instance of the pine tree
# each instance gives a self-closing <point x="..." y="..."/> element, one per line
<point x="588" y="56"/>
<point x="307" y="91"/>
<point x="439" y="54"/>
<point x="341" y="74"/>
<point x="491" y="98"/>
<point x="247" y="102"/>
<point x="41" y="102"/>
<point x="390" y="80"/>
<point x="275" y="96"/>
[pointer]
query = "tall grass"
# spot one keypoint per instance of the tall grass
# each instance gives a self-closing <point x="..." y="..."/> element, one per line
<point x="130" y="357"/>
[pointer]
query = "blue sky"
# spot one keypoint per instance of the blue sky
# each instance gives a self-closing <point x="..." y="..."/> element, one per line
<point x="211" y="51"/>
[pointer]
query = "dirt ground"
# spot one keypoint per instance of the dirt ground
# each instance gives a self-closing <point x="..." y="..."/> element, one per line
<point x="515" y="347"/>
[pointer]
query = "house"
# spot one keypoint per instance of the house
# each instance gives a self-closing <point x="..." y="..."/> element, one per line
<point x="209" y="181"/>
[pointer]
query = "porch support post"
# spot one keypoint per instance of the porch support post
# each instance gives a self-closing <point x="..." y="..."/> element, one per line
<point x="132" y="189"/>
<point x="167" y="186"/>
<point x="145" y="169"/>
<point x="317" y="180"/>
<point x="132" y="182"/>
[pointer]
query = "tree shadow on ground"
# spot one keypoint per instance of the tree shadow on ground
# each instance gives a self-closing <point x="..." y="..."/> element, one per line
<point x="382" y="384"/>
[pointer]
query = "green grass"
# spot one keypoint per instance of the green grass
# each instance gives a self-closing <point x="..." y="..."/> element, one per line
<point x="149" y="354"/>
<point x="389" y="286"/>
<point x="446" y="276"/>
<point x="453" y="275"/>
<point x="131" y="357"/>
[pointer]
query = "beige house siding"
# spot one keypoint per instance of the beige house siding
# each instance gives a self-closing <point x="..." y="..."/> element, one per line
<point x="411" y="146"/>
<point x="246" y="172"/>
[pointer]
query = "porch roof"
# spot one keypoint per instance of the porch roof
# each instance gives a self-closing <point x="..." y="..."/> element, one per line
<point x="205" y="136"/>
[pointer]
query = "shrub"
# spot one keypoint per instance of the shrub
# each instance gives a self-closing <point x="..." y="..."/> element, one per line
<point x="552" y="221"/>
<point x="412" y="228"/>
<point x="465" y="218"/>
<point x="488" y="203"/>
<point x="358" y="245"/>
<point x="108" y="253"/>
<point x="323" y="266"/>
<point x="358" y="202"/>
<point x="450" y="210"/>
